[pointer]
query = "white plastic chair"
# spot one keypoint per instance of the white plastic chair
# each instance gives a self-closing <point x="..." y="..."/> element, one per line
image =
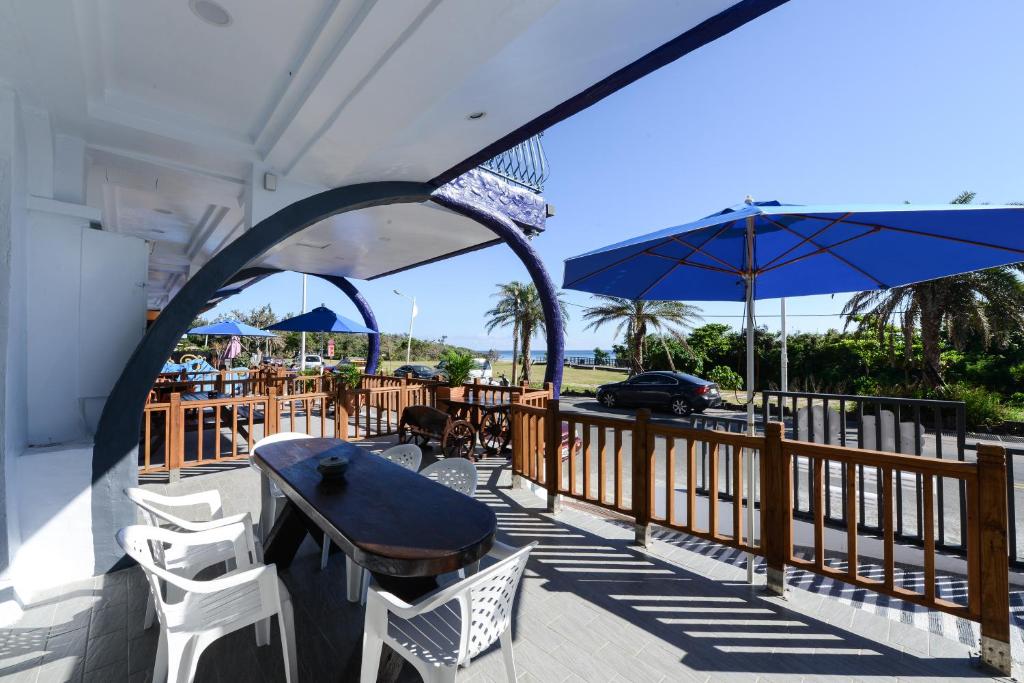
<point x="408" y="455"/>
<point x="446" y="628"/>
<point x="455" y="473"/>
<point x="270" y="493"/>
<point x="155" y="509"/>
<point x="208" y="610"/>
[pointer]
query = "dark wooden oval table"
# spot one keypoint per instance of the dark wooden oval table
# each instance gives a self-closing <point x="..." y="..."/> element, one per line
<point x="403" y="527"/>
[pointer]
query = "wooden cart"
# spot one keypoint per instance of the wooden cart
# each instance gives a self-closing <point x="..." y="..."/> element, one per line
<point x="420" y="424"/>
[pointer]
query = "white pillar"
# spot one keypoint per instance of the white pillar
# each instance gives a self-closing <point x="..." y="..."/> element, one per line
<point x="785" y="355"/>
<point x="302" y="346"/>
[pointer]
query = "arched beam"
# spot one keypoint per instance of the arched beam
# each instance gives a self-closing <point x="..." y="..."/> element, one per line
<point x="115" y="448"/>
<point x="464" y="201"/>
<point x="373" y="340"/>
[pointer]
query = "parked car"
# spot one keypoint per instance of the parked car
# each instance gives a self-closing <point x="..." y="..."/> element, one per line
<point x="675" y="391"/>
<point x="417" y="371"/>
<point x="481" y="370"/>
<point x="312" y="361"/>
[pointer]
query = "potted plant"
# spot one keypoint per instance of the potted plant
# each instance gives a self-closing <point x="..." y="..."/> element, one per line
<point x="347" y="378"/>
<point x="457" y="366"/>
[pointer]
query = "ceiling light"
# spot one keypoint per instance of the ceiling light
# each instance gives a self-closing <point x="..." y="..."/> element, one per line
<point x="166" y="212"/>
<point x="210" y="12"/>
<point x="476" y="115"/>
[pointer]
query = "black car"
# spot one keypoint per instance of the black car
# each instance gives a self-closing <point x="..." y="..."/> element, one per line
<point x="417" y="371"/>
<point x="676" y="391"/>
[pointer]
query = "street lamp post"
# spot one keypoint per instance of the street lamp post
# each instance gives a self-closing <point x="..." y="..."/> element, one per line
<point x="412" y="318"/>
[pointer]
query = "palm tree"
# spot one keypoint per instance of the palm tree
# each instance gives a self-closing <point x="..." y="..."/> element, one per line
<point x="519" y="307"/>
<point x="978" y="304"/>
<point x="635" y="317"/>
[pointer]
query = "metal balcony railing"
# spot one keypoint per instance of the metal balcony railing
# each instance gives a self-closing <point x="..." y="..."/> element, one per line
<point x="525" y="164"/>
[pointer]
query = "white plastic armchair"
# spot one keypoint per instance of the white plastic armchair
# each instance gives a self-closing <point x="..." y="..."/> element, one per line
<point x="156" y="511"/>
<point x="408" y="455"/>
<point x="208" y="610"/>
<point x="270" y="494"/>
<point x="455" y="473"/>
<point x="446" y="628"/>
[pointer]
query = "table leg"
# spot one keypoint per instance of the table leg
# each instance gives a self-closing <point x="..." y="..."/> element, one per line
<point x="286" y="536"/>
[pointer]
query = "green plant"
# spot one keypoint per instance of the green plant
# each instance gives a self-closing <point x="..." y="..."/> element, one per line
<point x="457" y="366"/>
<point x="601" y="357"/>
<point x="347" y="376"/>
<point x="982" y="407"/>
<point x="725" y="377"/>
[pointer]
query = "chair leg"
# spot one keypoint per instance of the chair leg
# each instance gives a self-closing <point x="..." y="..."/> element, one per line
<point x="262" y="632"/>
<point x="442" y="674"/>
<point x="372" y="646"/>
<point x="286" y="621"/>
<point x="325" y="553"/>
<point x="160" y="664"/>
<point x="506" y="653"/>
<point x="353" y="580"/>
<point x="150" y="612"/>
<point x="182" y="659"/>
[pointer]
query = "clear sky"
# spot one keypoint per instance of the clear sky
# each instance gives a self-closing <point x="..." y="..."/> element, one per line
<point x="819" y="101"/>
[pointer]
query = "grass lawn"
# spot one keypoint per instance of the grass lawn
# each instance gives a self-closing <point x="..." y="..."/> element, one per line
<point x="573" y="379"/>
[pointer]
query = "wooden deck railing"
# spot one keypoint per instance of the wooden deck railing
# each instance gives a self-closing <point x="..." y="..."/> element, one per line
<point x="584" y="457"/>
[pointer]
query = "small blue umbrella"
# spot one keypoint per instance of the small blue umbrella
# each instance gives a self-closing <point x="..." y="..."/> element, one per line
<point x="230" y="328"/>
<point x="766" y="250"/>
<point x="321" y="319"/>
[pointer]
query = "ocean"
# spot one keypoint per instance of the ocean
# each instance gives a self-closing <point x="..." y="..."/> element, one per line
<point x="587" y="354"/>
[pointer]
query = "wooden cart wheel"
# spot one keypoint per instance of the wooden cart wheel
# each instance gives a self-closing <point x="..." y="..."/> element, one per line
<point x="407" y="435"/>
<point x="459" y="440"/>
<point x="495" y="431"/>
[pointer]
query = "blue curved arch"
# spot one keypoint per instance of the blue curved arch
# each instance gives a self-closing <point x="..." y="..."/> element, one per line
<point x="369" y="319"/>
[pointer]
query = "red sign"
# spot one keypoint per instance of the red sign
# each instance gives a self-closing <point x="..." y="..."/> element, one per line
<point x="330" y="348"/>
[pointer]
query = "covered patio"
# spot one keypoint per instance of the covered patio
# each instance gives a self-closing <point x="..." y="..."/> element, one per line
<point x="593" y="606"/>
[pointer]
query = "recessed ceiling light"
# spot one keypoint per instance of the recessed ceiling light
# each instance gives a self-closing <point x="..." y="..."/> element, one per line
<point x="166" y="212"/>
<point x="476" y="115"/>
<point x="210" y="12"/>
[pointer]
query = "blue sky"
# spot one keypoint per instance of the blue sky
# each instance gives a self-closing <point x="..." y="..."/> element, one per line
<point x="866" y="101"/>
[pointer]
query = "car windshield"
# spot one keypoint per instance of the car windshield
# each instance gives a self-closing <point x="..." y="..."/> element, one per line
<point x="691" y="378"/>
<point x="312" y="359"/>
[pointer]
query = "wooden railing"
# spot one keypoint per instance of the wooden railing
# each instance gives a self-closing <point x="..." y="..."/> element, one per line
<point x="584" y="457"/>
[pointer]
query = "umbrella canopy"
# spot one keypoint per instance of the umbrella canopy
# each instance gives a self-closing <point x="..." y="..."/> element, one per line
<point x="798" y="250"/>
<point x="230" y="328"/>
<point x="765" y="250"/>
<point x="321" y="319"/>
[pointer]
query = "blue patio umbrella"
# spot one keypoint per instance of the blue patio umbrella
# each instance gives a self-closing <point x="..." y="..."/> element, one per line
<point x="230" y="328"/>
<point x="321" y="319"/>
<point x="766" y="250"/>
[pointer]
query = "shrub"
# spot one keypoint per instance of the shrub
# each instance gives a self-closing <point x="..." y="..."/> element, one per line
<point x="457" y="365"/>
<point x="348" y="376"/>
<point x="982" y="407"/>
<point x="725" y="377"/>
<point x="867" y="386"/>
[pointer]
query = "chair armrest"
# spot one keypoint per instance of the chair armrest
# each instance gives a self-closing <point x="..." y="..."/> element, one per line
<point x="211" y="499"/>
<point x="500" y="551"/>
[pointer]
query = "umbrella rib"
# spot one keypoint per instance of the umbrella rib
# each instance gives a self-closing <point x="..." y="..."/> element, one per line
<point x="683" y="262"/>
<point x="924" y="233"/>
<point x="833" y="254"/>
<point x="802" y="242"/>
<point x="816" y="252"/>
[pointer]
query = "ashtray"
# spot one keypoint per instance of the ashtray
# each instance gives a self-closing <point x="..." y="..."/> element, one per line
<point x="333" y="467"/>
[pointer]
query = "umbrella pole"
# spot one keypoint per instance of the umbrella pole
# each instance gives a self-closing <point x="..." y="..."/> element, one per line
<point x="750" y="395"/>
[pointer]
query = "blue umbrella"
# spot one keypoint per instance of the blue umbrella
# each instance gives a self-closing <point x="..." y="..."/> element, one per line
<point x="321" y="319"/>
<point x="766" y="250"/>
<point x="230" y="328"/>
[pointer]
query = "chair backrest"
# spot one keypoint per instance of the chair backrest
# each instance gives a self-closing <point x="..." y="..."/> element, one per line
<point x="145" y="545"/>
<point x="491" y="594"/>
<point x="455" y="473"/>
<point x="275" y="438"/>
<point x="153" y="505"/>
<point x="408" y="455"/>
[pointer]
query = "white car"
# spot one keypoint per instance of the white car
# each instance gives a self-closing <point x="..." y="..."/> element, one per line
<point x="312" y="361"/>
<point x="481" y="369"/>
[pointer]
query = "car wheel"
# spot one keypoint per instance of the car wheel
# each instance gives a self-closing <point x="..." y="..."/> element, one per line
<point x="681" y="407"/>
<point x="607" y="400"/>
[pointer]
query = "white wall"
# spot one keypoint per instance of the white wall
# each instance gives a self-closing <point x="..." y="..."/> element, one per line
<point x="72" y="309"/>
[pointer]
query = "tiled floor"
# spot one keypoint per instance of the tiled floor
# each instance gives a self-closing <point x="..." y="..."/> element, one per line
<point x="593" y="607"/>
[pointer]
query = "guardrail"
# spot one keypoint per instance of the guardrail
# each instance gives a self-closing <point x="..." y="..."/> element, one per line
<point x="663" y="489"/>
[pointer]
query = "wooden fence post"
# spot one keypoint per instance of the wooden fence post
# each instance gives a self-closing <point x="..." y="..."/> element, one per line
<point x="641" y="456"/>
<point x="993" y="552"/>
<point x="270" y="418"/>
<point x="777" y="508"/>
<point x="176" y="436"/>
<point x="341" y="402"/>
<point x="516" y="443"/>
<point x="552" y="454"/>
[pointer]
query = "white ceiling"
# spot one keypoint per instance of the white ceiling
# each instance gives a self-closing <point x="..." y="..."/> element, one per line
<point x="176" y="112"/>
